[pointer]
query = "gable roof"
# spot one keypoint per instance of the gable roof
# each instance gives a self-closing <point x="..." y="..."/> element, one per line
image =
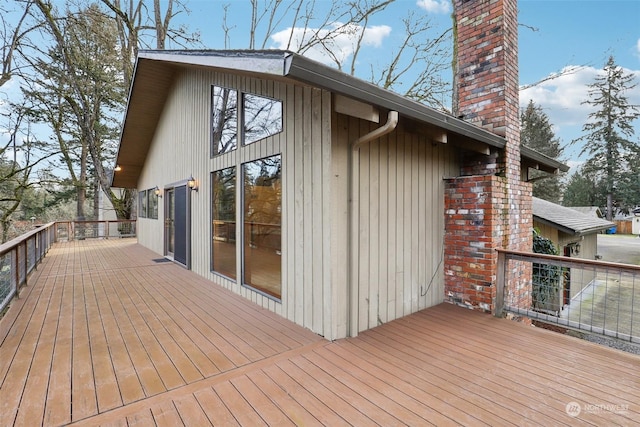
<point x="567" y="220"/>
<point x="593" y="211"/>
<point x="155" y="69"/>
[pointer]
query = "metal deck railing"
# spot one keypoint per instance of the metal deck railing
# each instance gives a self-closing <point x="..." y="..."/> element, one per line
<point x="592" y="296"/>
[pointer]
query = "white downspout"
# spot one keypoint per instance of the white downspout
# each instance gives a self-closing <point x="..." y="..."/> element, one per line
<point x="354" y="212"/>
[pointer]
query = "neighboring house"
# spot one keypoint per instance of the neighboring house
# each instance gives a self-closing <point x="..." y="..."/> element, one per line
<point x="313" y="193"/>
<point x="575" y="234"/>
<point x="106" y="211"/>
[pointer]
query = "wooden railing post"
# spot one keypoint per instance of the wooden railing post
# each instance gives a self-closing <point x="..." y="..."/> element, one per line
<point x="500" y="278"/>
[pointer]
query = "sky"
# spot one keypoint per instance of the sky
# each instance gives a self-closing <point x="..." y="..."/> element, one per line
<point x="555" y="36"/>
<point x="570" y="38"/>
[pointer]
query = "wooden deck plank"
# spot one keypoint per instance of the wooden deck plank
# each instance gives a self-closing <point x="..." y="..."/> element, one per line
<point x="12" y="389"/>
<point x="156" y="322"/>
<point x="15" y="322"/>
<point x="457" y="375"/>
<point x="135" y="311"/>
<point x="129" y="383"/>
<point x="343" y="409"/>
<point x="435" y="404"/>
<point x="517" y="364"/>
<point x="143" y="418"/>
<point x="58" y="405"/>
<point x="191" y="413"/>
<point x="106" y="386"/>
<point x="83" y="390"/>
<point x="209" y="358"/>
<point x="146" y="372"/>
<point x="205" y="321"/>
<point x="581" y="351"/>
<point x="233" y="327"/>
<point x="213" y="405"/>
<point x="237" y="405"/>
<point x="166" y="415"/>
<point x="35" y="392"/>
<point x="369" y="401"/>
<point x="528" y="358"/>
<point x="294" y="410"/>
<point x="261" y="404"/>
<point x="100" y="321"/>
<point x="539" y="390"/>
<point x="320" y="411"/>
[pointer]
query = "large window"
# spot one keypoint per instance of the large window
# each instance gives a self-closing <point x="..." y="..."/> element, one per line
<point x="142" y="204"/>
<point x="224" y="119"/>
<point x="262" y="117"/>
<point x="223" y="184"/>
<point x="262" y="217"/>
<point x="148" y="204"/>
<point x="255" y="186"/>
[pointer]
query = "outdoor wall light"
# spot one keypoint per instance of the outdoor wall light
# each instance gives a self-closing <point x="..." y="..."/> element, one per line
<point x="118" y="168"/>
<point x="192" y="183"/>
<point x="157" y="191"/>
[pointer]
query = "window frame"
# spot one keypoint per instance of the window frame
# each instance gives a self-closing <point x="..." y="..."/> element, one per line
<point x="242" y="192"/>
<point x="142" y="204"/>
<point x="238" y="113"/>
<point x="242" y="116"/>
<point x="213" y="219"/>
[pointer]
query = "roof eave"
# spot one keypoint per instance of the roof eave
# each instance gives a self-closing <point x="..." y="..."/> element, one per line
<point x="540" y="161"/>
<point x="311" y="72"/>
<point x="572" y="231"/>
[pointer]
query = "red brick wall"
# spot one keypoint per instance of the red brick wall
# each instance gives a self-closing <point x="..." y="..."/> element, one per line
<point x="488" y="207"/>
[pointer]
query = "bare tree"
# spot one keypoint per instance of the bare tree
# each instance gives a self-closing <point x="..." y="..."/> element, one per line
<point x="19" y="156"/>
<point x="83" y="90"/>
<point x="311" y="32"/>
<point x="94" y="87"/>
<point x="139" y="27"/>
<point x="12" y="39"/>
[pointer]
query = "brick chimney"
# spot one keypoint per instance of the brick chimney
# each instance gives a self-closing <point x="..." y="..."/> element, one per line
<point x="488" y="206"/>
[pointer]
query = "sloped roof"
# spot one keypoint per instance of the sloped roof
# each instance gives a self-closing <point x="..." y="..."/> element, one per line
<point x="593" y="211"/>
<point x="567" y="220"/>
<point x="155" y="70"/>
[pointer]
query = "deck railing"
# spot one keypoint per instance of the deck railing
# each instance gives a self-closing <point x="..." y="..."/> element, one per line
<point x="593" y="296"/>
<point x="20" y="256"/>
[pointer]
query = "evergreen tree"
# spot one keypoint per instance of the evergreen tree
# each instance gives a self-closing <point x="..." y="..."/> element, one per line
<point x="584" y="189"/>
<point x="609" y="131"/>
<point x="628" y="194"/>
<point x="536" y="132"/>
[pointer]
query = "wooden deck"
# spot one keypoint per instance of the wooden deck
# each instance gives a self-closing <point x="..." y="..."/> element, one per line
<point x="105" y="335"/>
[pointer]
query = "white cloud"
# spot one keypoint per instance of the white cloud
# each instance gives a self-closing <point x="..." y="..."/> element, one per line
<point x="638" y="48"/>
<point x="562" y="97"/>
<point x="435" y="6"/>
<point x="339" y="41"/>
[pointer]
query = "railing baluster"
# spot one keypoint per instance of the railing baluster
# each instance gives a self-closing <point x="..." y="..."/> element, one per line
<point x="597" y="299"/>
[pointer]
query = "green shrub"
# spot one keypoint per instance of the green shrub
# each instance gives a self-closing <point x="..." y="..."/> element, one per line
<point x="546" y="277"/>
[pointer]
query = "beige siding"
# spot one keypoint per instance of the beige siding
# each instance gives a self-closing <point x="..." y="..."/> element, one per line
<point x="181" y="147"/>
<point x="399" y="220"/>
<point x="580" y="278"/>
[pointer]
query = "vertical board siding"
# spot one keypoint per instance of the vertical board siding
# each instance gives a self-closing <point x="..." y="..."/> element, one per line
<point x="399" y="216"/>
<point x="182" y="147"/>
<point x="339" y="197"/>
<point x="400" y="223"/>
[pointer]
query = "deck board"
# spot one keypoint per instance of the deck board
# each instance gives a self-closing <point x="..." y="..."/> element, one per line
<point x="103" y="335"/>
